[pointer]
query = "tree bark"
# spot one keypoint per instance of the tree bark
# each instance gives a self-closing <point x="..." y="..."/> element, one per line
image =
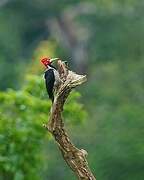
<point x="74" y="157"/>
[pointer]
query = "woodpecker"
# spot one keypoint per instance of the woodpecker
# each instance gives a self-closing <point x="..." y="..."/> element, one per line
<point x="51" y="75"/>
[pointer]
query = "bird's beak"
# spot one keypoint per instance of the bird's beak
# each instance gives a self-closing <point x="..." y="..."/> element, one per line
<point x="53" y="59"/>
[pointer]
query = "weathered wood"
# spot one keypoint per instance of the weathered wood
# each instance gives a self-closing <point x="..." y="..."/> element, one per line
<point x="74" y="157"/>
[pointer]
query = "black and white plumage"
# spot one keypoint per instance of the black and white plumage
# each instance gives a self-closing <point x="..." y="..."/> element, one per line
<point x="52" y="80"/>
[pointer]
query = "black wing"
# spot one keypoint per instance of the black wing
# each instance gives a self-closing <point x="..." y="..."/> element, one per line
<point x="49" y="79"/>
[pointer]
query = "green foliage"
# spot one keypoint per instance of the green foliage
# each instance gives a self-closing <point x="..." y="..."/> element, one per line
<point x="116" y="31"/>
<point x="113" y="94"/>
<point x="73" y="111"/>
<point x="117" y="105"/>
<point x="22" y="136"/>
<point x="21" y="133"/>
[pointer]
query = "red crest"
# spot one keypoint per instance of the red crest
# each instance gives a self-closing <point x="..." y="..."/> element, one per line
<point x="46" y="61"/>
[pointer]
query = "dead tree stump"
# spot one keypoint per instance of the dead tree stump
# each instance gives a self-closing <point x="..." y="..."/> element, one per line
<point x="74" y="157"/>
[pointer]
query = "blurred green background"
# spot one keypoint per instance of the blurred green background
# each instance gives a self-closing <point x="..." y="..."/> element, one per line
<point x="100" y="38"/>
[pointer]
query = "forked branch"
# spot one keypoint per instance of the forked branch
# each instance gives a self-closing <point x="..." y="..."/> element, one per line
<point x="74" y="157"/>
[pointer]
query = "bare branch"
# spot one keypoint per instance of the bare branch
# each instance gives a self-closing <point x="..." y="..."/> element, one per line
<point x="74" y="157"/>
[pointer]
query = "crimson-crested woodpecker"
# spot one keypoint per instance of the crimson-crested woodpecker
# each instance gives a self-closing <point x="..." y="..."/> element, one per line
<point x="52" y="79"/>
